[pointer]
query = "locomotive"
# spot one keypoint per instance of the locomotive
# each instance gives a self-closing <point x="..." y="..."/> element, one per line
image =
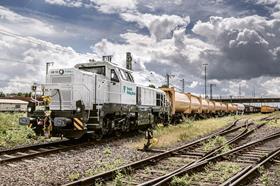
<point x="95" y="98"/>
<point x="100" y="98"/>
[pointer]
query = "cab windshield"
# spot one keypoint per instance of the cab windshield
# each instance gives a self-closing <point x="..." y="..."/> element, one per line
<point x="126" y="75"/>
<point x="97" y="69"/>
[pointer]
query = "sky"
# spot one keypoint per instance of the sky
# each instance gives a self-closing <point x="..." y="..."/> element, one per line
<point x="238" y="39"/>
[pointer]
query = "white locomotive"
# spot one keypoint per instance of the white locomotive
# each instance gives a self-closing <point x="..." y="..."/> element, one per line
<point x="95" y="98"/>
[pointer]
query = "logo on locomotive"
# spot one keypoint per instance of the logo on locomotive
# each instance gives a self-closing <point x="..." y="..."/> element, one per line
<point x="129" y="91"/>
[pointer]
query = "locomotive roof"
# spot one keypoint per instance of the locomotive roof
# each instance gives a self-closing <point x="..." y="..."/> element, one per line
<point x="98" y="63"/>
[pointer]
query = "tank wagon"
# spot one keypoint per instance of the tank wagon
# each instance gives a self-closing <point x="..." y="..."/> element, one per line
<point x="187" y="105"/>
<point x="267" y="109"/>
<point x="100" y="98"/>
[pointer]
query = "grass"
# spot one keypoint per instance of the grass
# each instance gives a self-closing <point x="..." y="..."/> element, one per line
<point x="264" y="178"/>
<point x="218" y="172"/>
<point x="104" y="167"/>
<point x="216" y="142"/>
<point x="273" y="122"/>
<point x="170" y="135"/>
<point x="107" y="151"/>
<point x="74" y="176"/>
<point x="11" y="133"/>
<point x="189" y="130"/>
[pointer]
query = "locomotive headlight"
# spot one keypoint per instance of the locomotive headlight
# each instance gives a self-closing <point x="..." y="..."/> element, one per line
<point x="78" y="109"/>
<point x="29" y="109"/>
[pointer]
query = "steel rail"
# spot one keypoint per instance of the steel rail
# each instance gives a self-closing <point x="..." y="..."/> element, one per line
<point x="247" y="172"/>
<point x="141" y="163"/>
<point x="27" y="147"/>
<point x="183" y="170"/>
<point x="240" y="136"/>
<point x="40" y="151"/>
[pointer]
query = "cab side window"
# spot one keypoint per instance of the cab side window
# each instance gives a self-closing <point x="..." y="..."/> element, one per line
<point x="114" y="76"/>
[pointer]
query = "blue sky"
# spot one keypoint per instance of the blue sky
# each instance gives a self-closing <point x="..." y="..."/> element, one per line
<point x="238" y="39"/>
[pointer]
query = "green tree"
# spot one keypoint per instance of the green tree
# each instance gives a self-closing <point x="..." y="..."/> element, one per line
<point x="152" y="86"/>
<point x="2" y="94"/>
<point x="163" y="86"/>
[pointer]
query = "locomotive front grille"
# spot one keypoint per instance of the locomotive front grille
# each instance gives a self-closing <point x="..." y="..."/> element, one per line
<point x="61" y="79"/>
<point x="66" y="99"/>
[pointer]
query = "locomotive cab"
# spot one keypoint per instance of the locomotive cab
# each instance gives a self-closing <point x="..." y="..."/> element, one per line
<point x="120" y="88"/>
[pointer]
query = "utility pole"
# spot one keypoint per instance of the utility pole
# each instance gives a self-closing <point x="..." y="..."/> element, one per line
<point x="183" y="85"/>
<point x="128" y="61"/>
<point x="239" y="90"/>
<point x="168" y="79"/>
<point x="211" y="89"/>
<point x="205" y="80"/>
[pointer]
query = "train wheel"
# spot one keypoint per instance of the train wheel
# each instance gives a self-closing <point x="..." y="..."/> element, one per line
<point x="99" y="135"/>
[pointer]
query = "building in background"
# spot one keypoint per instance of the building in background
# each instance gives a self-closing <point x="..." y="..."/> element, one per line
<point x="13" y="105"/>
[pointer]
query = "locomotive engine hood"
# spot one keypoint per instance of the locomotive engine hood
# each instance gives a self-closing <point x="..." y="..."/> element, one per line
<point x="69" y="85"/>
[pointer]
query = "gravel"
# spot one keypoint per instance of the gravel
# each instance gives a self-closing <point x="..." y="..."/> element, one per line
<point x="63" y="167"/>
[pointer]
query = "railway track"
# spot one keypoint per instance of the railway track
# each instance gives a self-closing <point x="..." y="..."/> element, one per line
<point x="31" y="151"/>
<point x="147" y="171"/>
<point x="249" y="157"/>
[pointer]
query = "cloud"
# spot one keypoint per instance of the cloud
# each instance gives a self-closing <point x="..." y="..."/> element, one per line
<point x="159" y="26"/>
<point x="68" y="3"/>
<point x="27" y="61"/>
<point x="272" y="87"/>
<point x="13" y="22"/>
<point x="27" y="55"/>
<point x="245" y="46"/>
<point x="112" y="6"/>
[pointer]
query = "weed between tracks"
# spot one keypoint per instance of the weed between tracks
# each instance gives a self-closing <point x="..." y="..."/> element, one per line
<point x="168" y="136"/>
<point x="214" y="173"/>
<point x="216" y="142"/>
<point x="11" y="133"/>
<point x="268" y="177"/>
<point x="105" y="167"/>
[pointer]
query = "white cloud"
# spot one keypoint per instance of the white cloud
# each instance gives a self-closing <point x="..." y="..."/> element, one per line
<point x="23" y="57"/>
<point x="13" y="22"/>
<point x="113" y="6"/>
<point x="160" y="26"/>
<point x="68" y="3"/>
<point x="246" y="46"/>
<point x="272" y="86"/>
<point x="27" y="61"/>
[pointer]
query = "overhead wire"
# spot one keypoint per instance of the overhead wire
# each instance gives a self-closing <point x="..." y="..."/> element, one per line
<point x="17" y="61"/>
<point x="29" y="39"/>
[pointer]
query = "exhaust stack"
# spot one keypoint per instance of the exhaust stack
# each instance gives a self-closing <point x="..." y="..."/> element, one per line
<point x="128" y="61"/>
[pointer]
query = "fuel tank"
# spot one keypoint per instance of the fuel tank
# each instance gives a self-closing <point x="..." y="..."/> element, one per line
<point x="204" y="105"/>
<point x="218" y="106"/>
<point x="211" y="106"/>
<point x="231" y="107"/>
<point x="224" y="107"/>
<point x="182" y="102"/>
<point x="195" y="104"/>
